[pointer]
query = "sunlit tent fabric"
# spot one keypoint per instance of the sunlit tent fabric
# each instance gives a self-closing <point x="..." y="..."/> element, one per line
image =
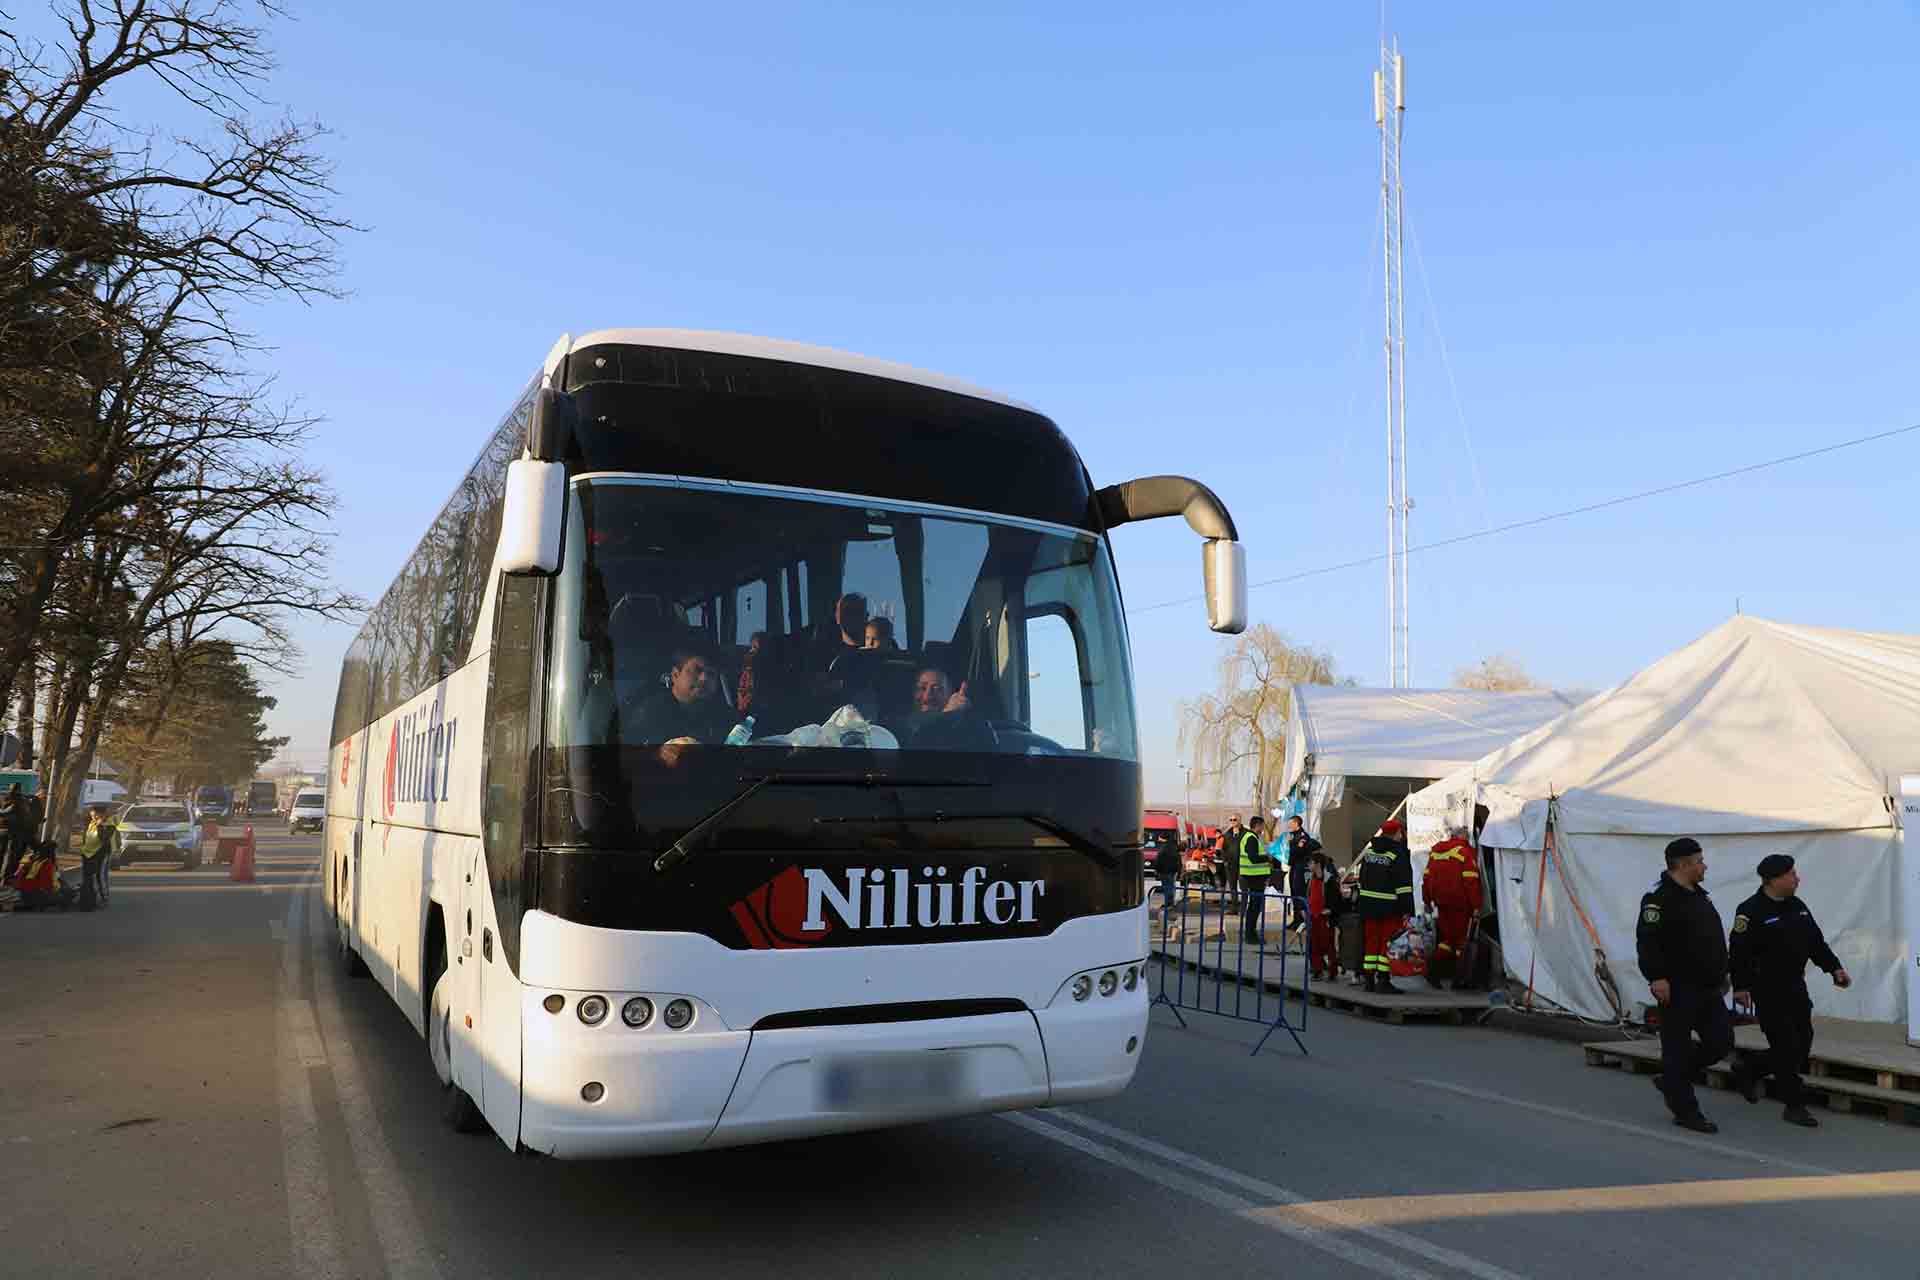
<point x="1757" y="738"/>
<point x="1337" y="732"/>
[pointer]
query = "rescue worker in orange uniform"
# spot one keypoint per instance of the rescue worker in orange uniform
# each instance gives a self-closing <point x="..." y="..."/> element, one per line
<point x="1451" y="886"/>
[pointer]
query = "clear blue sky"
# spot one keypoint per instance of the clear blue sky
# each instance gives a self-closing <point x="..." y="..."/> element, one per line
<point x="1658" y="243"/>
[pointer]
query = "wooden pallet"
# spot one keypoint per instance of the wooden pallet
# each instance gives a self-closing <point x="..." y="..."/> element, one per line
<point x="1836" y="1092"/>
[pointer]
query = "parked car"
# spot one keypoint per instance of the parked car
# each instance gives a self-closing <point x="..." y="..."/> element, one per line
<point x="309" y="812"/>
<point x="158" y="829"/>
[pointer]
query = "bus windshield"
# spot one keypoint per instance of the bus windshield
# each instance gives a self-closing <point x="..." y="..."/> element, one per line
<point x="711" y="627"/>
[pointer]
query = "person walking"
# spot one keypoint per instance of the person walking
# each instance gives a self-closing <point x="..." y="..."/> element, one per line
<point x="1774" y="935"/>
<point x="1386" y="901"/>
<point x="1683" y="957"/>
<point x="1256" y="868"/>
<point x="1167" y="866"/>
<point x="1451" y="886"/>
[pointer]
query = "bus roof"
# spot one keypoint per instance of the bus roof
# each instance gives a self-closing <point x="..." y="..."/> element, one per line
<point x="746" y="344"/>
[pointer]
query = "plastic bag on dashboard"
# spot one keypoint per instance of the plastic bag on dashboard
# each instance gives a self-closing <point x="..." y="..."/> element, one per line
<point x="844" y="728"/>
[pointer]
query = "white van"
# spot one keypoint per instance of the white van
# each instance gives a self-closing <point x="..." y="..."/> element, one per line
<point x="309" y="811"/>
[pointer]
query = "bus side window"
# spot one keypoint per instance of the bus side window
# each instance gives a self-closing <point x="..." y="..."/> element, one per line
<point x="1056" y="690"/>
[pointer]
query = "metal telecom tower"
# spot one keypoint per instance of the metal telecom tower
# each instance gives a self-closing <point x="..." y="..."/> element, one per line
<point x="1389" y="116"/>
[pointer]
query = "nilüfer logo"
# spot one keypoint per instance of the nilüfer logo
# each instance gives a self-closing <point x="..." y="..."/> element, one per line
<point x="393" y="759"/>
<point x="420" y="759"/>
<point x="346" y="754"/>
<point x="793" y="908"/>
<point x="771" y="915"/>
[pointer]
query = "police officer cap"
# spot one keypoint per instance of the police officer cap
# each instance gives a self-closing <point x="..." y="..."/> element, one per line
<point x="1684" y="847"/>
<point x="1774" y="864"/>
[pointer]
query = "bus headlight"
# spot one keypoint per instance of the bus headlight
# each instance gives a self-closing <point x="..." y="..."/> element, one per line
<point x="678" y="1014"/>
<point x="637" y="1012"/>
<point x="1109" y="983"/>
<point x="592" y="1010"/>
<point x="1132" y="978"/>
<point x="1082" y="987"/>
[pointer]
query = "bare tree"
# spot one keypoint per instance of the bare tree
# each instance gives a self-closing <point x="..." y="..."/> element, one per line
<point x="123" y="255"/>
<point x="1501" y="672"/>
<point x="1236" y="736"/>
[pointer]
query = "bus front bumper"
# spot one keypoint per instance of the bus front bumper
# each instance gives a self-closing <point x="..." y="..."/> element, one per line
<point x="661" y="1090"/>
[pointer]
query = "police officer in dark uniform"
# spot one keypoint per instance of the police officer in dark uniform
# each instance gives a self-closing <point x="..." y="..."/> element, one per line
<point x="1774" y="935"/>
<point x="1683" y="957"/>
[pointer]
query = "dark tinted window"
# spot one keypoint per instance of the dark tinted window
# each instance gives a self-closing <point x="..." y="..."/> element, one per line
<point x="725" y="417"/>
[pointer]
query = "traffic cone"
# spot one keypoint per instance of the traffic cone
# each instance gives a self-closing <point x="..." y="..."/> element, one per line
<point x="241" y="869"/>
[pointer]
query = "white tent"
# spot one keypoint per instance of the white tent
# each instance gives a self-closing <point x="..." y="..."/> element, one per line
<point x="1352" y="749"/>
<point x="1757" y="738"/>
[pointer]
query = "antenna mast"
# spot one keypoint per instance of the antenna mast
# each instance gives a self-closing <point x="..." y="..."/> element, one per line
<point x="1389" y="116"/>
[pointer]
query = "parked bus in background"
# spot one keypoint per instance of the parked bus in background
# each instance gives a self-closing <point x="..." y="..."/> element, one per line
<point x="657" y="853"/>
<point x="263" y="798"/>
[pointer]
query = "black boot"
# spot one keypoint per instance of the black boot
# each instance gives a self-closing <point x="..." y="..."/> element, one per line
<point x="1367" y="979"/>
<point x="1800" y="1116"/>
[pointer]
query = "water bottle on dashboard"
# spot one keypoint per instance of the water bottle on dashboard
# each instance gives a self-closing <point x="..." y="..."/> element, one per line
<point x="741" y="734"/>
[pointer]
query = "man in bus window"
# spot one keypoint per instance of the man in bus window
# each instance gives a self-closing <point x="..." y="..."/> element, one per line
<point x="846" y="633"/>
<point x="685" y="707"/>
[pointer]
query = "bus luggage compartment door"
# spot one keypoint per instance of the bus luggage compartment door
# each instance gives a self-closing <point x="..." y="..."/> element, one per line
<point x="812" y="1080"/>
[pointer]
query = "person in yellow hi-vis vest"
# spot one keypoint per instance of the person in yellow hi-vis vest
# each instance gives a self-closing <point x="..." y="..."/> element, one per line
<point x="97" y="848"/>
<point x="1256" y="868"/>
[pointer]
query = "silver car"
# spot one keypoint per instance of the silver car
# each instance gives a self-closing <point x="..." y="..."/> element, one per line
<point x="158" y="829"/>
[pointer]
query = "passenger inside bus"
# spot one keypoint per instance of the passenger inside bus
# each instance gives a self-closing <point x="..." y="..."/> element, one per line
<point x="687" y="706"/>
<point x="949" y="634"/>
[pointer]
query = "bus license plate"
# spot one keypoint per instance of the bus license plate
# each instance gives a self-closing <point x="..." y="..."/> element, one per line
<point x="891" y="1081"/>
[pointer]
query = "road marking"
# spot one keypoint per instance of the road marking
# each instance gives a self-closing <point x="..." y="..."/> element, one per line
<point x="1665" y="1197"/>
<point x="1311" y="1236"/>
<point x="389" y="1203"/>
<point x="310" y="1219"/>
<point x="1637" y="1130"/>
<point x="1296" y="1204"/>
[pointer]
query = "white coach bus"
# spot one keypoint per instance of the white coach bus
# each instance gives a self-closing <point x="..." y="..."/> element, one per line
<point x="748" y="752"/>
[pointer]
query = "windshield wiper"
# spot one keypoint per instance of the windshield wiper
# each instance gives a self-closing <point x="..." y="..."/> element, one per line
<point x="685" y="846"/>
<point x="1073" y="839"/>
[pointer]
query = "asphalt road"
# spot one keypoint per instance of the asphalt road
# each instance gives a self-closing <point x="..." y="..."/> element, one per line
<point x="192" y="1089"/>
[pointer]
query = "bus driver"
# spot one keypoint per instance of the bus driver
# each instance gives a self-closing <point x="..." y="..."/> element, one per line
<point x="685" y="707"/>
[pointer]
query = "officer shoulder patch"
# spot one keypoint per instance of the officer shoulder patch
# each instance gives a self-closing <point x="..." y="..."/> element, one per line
<point x="1739" y="924"/>
<point x="1651" y="915"/>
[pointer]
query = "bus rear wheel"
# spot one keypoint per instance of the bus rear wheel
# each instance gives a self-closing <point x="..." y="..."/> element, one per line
<point x="457" y="1111"/>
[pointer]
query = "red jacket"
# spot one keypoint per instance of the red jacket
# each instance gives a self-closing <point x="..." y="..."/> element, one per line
<point x="1453" y="876"/>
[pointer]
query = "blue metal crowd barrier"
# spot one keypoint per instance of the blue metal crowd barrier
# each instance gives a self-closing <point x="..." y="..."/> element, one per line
<point x="1244" y="981"/>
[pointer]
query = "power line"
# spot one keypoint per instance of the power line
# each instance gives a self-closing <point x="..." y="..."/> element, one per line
<point x="1533" y="521"/>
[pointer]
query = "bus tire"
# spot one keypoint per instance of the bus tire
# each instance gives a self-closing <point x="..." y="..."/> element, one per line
<point x="457" y="1111"/>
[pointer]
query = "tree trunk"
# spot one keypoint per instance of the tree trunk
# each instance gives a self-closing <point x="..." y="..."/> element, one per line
<point x="29" y="691"/>
<point x="64" y="794"/>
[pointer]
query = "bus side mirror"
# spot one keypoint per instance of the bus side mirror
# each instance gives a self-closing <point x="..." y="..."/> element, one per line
<point x="1224" y="564"/>
<point x="533" y="517"/>
<point x="1224" y="559"/>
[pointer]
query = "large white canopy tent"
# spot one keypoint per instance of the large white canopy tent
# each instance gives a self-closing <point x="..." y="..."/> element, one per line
<point x="1353" y="754"/>
<point x="1757" y="738"/>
